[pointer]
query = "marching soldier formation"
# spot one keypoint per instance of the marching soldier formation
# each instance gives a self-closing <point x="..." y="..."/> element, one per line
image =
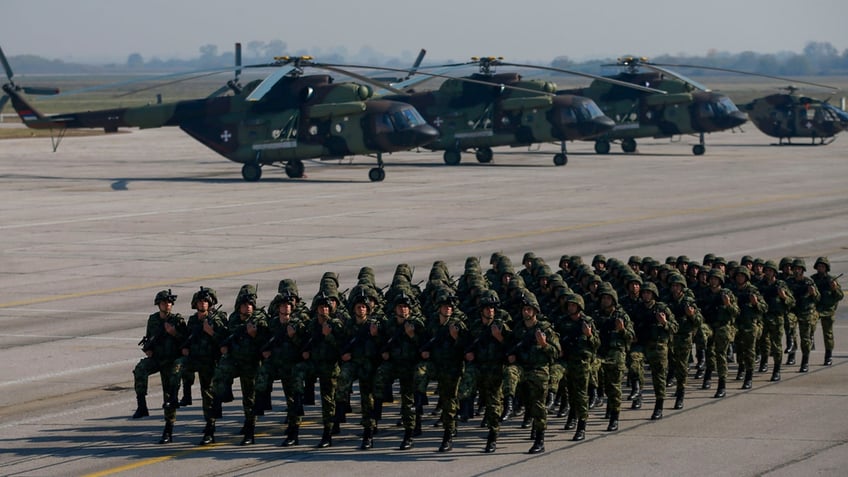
<point x="494" y="343"/>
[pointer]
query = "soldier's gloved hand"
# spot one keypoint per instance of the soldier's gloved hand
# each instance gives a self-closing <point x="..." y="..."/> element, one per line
<point x="469" y="356"/>
<point x="374" y="329"/>
<point x="541" y="339"/>
<point x="207" y="328"/>
<point x="409" y="329"/>
<point x="346" y="357"/>
<point x="170" y="329"/>
<point x="454" y="332"/>
<point x="619" y="324"/>
<point x="497" y="333"/>
<point x="587" y="330"/>
<point x="725" y="299"/>
<point x="661" y="319"/>
<point x="266" y="354"/>
<point x="290" y="331"/>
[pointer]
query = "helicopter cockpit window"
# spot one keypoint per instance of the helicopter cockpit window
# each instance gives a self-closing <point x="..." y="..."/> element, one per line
<point x="407" y="118"/>
<point x="588" y="111"/>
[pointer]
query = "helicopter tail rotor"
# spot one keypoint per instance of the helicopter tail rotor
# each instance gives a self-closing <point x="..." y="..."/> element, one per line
<point x="12" y="86"/>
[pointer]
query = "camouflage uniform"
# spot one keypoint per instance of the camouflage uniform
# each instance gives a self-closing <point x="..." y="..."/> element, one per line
<point x="201" y="352"/>
<point x="719" y="308"/>
<point x="780" y="302"/>
<point x="654" y="325"/>
<point x="831" y="295"/>
<point x="321" y="359"/>
<point x="807" y="297"/>
<point x="536" y="345"/>
<point x="689" y="322"/>
<point x="615" y="331"/>
<point x="400" y="361"/>
<point x="240" y="354"/>
<point x="749" y="323"/>
<point x="164" y="334"/>
<point x="579" y="341"/>
<point x="282" y="360"/>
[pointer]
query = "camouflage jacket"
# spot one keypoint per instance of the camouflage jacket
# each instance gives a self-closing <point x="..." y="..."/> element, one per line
<point x="750" y="314"/>
<point x="165" y="347"/>
<point x="576" y="346"/>
<point x="612" y="340"/>
<point x="202" y="346"/>
<point x="716" y="313"/>
<point x="830" y="298"/>
<point x="806" y="295"/>
<point x="527" y="351"/>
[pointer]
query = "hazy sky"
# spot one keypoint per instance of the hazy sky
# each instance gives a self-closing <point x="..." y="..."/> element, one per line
<point x="109" y="30"/>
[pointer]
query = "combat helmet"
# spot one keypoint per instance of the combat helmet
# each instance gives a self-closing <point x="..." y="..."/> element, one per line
<point x="823" y="260"/>
<point x="651" y="287"/>
<point x="799" y="263"/>
<point x="165" y="295"/>
<point x="206" y="294"/>
<point x="576" y="299"/>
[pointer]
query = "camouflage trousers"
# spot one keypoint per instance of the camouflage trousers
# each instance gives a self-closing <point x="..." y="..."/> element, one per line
<point x="746" y="340"/>
<point x="405" y="374"/>
<point x="228" y="369"/>
<point x="511" y="377"/>
<point x="447" y="379"/>
<point x="559" y="379"/>
<point x="806" y="325"/>
<point x="149" y="366"/>
<point x="291" y="375"/>
<point x="717" y="347"/>
<point x="771" y="339"/>
<point x="363" y="371"/>
<point x="187" y="366"/>
<point x="535" y="391"/>
<point x="594" y="372"/>
<point x="636" y="364"/>
<point x="328" y="380"/>
<point x="678" y="359"/>
<point x="657" y="356"/>
<point x="578" y="371"/>
<point x="613" y="368"/>
<point x="490" y="384"/>
<point x="790" y="328"/>
<point x="827" y="330"/>
<point x="468" y="383"/>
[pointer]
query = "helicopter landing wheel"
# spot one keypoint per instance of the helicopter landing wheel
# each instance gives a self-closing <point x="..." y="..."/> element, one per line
<point x="295" y="169"/>
<point x="452" y="158"/>
<point x="602" y="146"/>
<point x="560" y="159"/>
<point x="628" y="145"/>
<point x="251" y="172"/>
<point x="699" y="149"/>
<point x="484" y="155"/>
<point x="376" y="174"/>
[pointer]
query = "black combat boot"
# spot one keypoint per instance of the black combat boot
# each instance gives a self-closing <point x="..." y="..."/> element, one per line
<point x="419" y="400"/>
<point x="749" y="378"/>
<point x="701" y="366"/>
<point x="828" y="358"/>
<point x="367" y="438"/>
<point x="632" y="382"/>
<point x="763" y="364"/>
<point x="593" y="396"/>
<point x="613" y="421"/>
<point x="678" y="398"/>
<point x="708" y="379"/>
<point x="326" y="438"/>
<point x="186" y="400"/>
<point x="775" y="374"/>
<point x="406" y="443"/>
<point x="525" y="423"/>
<point x="549" y="401"/>
<point x="658" y="410"/>
<point x="171" y="399"/>
<point x="790" y="345"/>
<point x="580" y="434"/>
<point x="538" y="444"/>
<point x="790" y="358"/>
<point x="339" y="418"/>
<point x="740" y="372"/>
<point x="249" y="429"/>
<point x="491" y="442"/>
<point x="208" y="434"/>
<point x="563" y="407"/>
<point x="141" y="410"/>
<point x="447" y="441"/>
<point x="720" y="392"/>
<point x="636" y="403"/>
<point x="508" y="408"/>
<point x="571" y="421"/>
<point x="166" y="434"/>
<point x="805" y="363"/>
<point x="291" y="436"/>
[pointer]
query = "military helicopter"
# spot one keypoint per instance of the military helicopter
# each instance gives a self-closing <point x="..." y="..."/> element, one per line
<point x="688" y="108"/>
<point x="490" y="109"/>
<point x="278" y="121"/>
<point x="790" y="115"/>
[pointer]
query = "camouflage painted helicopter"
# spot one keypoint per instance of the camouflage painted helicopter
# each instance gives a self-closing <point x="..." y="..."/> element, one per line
<point x="688" y="108"/>
<point x="490" y="109"/>
<point x="283" y="119"/>
<point x="790" y="115"/>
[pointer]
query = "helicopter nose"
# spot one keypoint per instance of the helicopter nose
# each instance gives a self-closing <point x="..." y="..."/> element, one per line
<point x="596" y="126"/>
<point x="413" y="137"/>
<point x="737" y="118"/>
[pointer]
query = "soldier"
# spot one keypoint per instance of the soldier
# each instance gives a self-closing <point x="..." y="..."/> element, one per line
<point x="689" y="321"/>
<point x="536" y="347"/>
<point x="200" y="352"/>
<point x="444" y="353"/>
<point x="400" y="361"/>
<point x="807" y="297"/>
<point x="749" y="325"/>
<point x="615" y="332"/>
<point x="321" y="358"/>
<point x="240" y="353"/>
<point x="831" y="295"/>
<point x="578" y="346"/>
<point x="163" y="336"/>
<point x="718" y="305"/>
<point x="359" y="354"/>
<point x="790" y="325"/>
<point x="780" y="301"/>
<point x="490" y="336"/>
<point x="654" y="326"/>
<point x="281" y="359"/>
<point x="631" y="302"/>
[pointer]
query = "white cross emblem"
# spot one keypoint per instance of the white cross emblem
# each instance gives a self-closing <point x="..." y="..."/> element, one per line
<point x="438" y="122"/>
<point x="225" y="136"/>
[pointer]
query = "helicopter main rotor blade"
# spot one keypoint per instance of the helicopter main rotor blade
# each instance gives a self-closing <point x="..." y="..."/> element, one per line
<point x="588" y="75"/>
<point x="40" y="91"/>
<point x="6" y="66"/>
<point x="269" y="82"/>
<point x="119" y="84"/>
<point x="359" y="77"/>
<point x="741" y="72"/>
<point x="3" y="101"/>
<point x="677" y="75"/>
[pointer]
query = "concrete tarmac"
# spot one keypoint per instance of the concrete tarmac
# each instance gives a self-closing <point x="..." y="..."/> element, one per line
<point x="92" y="232"/>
